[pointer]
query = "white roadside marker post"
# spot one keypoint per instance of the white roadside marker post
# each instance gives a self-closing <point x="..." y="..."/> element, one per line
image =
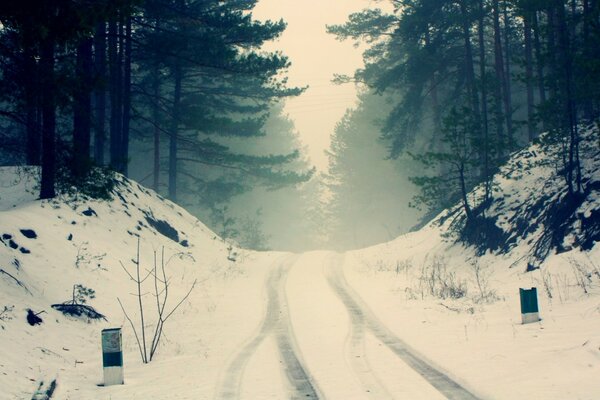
<point x="529" y="305"/>
<point x="112" y="356"/>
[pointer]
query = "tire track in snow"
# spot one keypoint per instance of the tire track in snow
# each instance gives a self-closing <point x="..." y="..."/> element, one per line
<point x="276" y="321"/>
<point x="355" y="345"/>
<point x="361" y="314"/>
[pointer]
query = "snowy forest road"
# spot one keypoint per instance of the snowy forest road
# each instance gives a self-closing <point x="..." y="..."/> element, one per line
<point x="276" y="322"/>
<point x="326" y="343"/>
<point x="362" y="317"/>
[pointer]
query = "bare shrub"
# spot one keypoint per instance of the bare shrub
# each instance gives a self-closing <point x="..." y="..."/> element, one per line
<point x="482" y="281"/>
<point x="161" y="295"/>
<point x="6" y="314"/>
<point x="437" y="281"/>
<point x="404" y="265"/>
<point x="584" y="274"/>
<point x="563" y="287"/>
<point x="547" y="282"/>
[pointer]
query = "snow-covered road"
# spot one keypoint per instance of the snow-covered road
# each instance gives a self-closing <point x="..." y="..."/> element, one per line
<point x="326" y="343"/>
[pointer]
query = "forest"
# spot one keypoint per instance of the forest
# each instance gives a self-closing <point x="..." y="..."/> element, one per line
<point x="145" y="85"/>
<point x="180" y="93"/>
<point x="468" y="83"/>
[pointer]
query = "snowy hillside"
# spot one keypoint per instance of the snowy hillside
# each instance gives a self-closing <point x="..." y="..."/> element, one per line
<point x="458" y="303"/>
<point x="47" y="247"/>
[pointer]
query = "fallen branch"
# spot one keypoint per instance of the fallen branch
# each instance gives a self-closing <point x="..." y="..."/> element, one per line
<point x="456" y="310"/>
<point x="18" y="282"/>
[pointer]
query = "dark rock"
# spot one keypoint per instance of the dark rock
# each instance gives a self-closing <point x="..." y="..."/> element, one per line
<point x="89" y="212"/>
<point x="32" y="318"/>
<point x="163" y="227"/>
<point x="29" y="233"/>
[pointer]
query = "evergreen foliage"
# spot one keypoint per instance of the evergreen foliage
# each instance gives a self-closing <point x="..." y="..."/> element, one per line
<point x="477" y="79"/>
<point x="189" y="72"/>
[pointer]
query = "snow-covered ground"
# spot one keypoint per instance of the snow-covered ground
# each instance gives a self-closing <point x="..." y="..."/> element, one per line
<point x="421" y="317"/>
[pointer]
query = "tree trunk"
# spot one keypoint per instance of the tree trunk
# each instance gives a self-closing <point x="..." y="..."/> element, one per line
<point x="31" y="88"/>
<point x="569" y="105"/>
<point x="510" y="135"/>
<point x="499" y="85"/>
<point x="588" y="45"/>
<point x="484" y="105"/>
<point x="156" y="122"/>
<point x="156" y="93"/>
<point x="463" y="191"/>
<point x="539" y="60"/>
<point x="100" y="93"/>
<point x="469" y="68"/>
<point x="115" y="95"/>
<point x="178" y="77"/>
<point x="531" y="132"/>
<point x="82" y="111"/>
<point x="126" y="99"/>
<point x="435" y="103"/>
<point x="47" y="190"/>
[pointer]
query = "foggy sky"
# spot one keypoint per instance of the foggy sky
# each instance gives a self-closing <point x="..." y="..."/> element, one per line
<point x="315" y="57"/>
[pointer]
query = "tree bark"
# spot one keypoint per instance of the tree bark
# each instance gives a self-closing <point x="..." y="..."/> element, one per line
<point x="178" y="77"/>
<point x="156" y="122"/>
<point x="82" y="111"/>
<point x="126" y="99"/>
<point x="499" y="84"/>
<point x="47" y="61"/>
<point x="539" y="60"/>
<point x="510" y="135"/>
<point x="531" y="132"/>
<point x="569" y="104"/>
<point x="31" y="87"/>
<point x="484" y="105"/>
<point x="469" y="68"/>
<point x="100" y="93"/>
<point x="115" y="94"/>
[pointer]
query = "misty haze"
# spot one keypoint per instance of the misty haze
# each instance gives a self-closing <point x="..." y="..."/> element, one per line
<point x="278" y="199"/>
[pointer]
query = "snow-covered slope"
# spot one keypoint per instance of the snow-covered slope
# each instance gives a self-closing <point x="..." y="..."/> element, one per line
<point x="47" y="247"/>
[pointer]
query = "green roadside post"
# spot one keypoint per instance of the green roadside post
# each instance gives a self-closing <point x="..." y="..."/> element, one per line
<point x="112" y="356"/>
<point x="529" y="305"/>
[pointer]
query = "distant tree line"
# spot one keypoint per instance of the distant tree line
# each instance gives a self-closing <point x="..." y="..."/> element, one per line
<point x="80" y="79"/>
<point x="474" y="80"/>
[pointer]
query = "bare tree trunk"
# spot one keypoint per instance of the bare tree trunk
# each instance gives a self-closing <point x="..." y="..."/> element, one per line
<point x="82" y="111"/>
<point x="539" y="59"/>
<point x="100" y="93"/>
<point x="115" y="94"/>
<point x="469" y="68"/>
<point x="31" y="87"/>
<point x="531" y="132"/>
<point x="499" y="69"/>
<point x="47" y="190"/>
<point x="156" y="118"/>
<point x="484" y="105"/>
<point x="510" y="135"/>
<point x="178" y="77"/>
<point x="126" y="98"/>
<point x="570" y="117"/>
<point x="435" y="103"/>
<point x="156" y="92"/>
<point x="463" y="191"/>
